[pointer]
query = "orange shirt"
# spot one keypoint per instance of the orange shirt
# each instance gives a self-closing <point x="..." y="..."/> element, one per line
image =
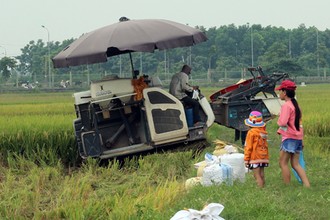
<point x="256" y="146"/>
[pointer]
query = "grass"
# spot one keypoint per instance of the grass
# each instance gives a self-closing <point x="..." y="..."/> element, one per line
<point x="38" y="184"/>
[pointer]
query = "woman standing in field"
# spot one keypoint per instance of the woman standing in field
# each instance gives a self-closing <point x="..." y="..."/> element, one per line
<point x="291" y="130"/>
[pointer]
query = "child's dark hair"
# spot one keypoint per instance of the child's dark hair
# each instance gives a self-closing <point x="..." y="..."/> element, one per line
<point x="291" y="94"/>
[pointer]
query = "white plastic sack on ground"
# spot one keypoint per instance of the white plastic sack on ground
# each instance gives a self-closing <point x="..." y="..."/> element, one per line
<point x="227" y="173"/>
<point x="236" y="161"/>
<point x="220" y="152"/>
<point x="211" y="159"/>
<point x="228" y="149"/>
<point x="212" y="172"/>
<point x="197" y="165"/>
<point x="191" y="182"/>
<point x="231" y="149"/>
<point x="209" y="212"/>
<point x="201" y="169"/>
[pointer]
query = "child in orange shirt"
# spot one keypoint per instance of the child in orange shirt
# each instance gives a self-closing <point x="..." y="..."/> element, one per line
<point x="256" y="147"/>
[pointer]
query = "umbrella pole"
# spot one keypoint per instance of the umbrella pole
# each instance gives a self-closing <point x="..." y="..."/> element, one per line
<point x="130" y="57"/>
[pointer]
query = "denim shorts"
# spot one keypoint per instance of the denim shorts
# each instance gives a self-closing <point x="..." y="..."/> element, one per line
<point x="292" y="146"/>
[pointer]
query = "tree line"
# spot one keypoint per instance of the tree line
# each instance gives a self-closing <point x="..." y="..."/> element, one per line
<point x="300" y="51"/>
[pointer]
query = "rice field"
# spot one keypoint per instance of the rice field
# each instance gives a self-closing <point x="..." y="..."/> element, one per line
<point x="32" y="123"/>
<point x="42" y="177"/>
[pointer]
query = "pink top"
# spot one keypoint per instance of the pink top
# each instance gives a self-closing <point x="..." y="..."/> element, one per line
<point x="286" y="123"/>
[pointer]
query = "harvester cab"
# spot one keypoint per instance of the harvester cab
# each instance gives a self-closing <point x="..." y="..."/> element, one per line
<point x="123" y="116"/>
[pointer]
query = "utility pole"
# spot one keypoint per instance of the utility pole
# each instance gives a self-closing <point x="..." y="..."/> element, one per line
<point x="317" y="51"/>
<point x="49" y="73"/>
<point x="165" y="62"/>
<point x="252" y="46"/>
<point x="290" y="53"/>
<point x="252" y="63"/>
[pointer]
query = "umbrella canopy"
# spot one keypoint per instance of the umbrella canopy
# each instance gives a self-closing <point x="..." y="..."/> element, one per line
<point x="126" y="36"/>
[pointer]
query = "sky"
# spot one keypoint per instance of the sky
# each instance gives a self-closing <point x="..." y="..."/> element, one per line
<point x="21" y="20"/>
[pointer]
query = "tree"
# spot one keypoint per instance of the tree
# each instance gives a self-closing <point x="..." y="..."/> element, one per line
<point x="6" y="64"/>
<point x="287" y="66"/>
<point x="277" y="59"/>
<point x="34" y="58"/>
<point x="275" y="52"/>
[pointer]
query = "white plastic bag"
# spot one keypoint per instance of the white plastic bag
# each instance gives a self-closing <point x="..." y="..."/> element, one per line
<point x="230" y="149"/>
<point x="191" y="182"/>
<point x="212" y="172"/>
<point x="227" y="173"/>
<point x="195" y="94"/>
<point x="211" y="159"/>
<point x="209" y="212"/>
<point x="212" y="175"/>
<point x="236" y="161"/>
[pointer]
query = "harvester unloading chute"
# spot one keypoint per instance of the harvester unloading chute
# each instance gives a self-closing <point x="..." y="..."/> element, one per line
<point x="234" y="103"/>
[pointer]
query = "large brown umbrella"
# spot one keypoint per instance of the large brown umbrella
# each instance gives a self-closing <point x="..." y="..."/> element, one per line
<point x="126" y="36"/>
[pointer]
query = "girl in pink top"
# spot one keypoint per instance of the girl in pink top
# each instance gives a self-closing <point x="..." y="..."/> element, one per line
<point x="291" y="130"/>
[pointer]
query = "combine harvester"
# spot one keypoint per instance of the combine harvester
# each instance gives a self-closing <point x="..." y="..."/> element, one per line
<point x="112" y="121"/>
